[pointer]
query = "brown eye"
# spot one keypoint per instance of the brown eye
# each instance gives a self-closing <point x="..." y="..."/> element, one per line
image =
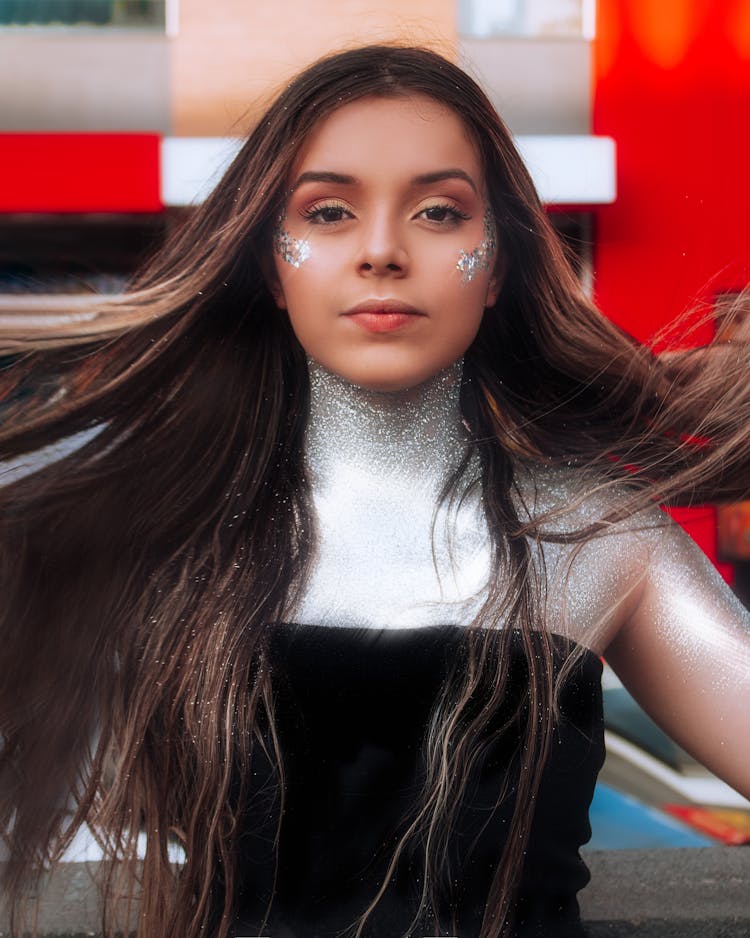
<point x="438" y="213"/>
<point x="326" y="214"/>
<point x="442" y="214"/>
<point x="330" y="214"/>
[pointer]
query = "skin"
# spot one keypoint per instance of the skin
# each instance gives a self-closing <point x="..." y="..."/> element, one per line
<point x="682" y="647"/>
<point x="647" y="599"/>
<point x="379" y="231"/>
<point x="671" y="630"/>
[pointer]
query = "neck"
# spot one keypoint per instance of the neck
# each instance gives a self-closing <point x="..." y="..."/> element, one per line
<point x="387" y="553"/>
<point x="416" y="434"/>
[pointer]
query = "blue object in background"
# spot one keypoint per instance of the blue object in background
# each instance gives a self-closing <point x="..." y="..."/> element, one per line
<point x="623" y="715"/>
<point x="619" y="822"/>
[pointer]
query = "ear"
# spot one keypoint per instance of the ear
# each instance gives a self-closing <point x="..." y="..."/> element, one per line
<point x="493" y="291"/>
<point x="276" y="291"/>
<point x="495" y="283"/>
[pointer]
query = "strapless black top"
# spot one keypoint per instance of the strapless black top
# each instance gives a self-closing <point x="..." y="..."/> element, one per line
<point x="352" y="707"/>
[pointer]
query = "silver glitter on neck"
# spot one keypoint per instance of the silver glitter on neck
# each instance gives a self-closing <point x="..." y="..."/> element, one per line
<point x="417" y="432"/>
<point x="378" y="462"/>
<point x="481" y="258"/>
<point x="294" y="251"/>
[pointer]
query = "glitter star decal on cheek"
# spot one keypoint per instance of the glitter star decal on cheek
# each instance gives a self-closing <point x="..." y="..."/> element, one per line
<point x="471" y="262"/>
<point x="294" y="251"/>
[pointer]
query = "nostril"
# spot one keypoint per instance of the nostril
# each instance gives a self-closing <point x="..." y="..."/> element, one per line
<point x="391" y="267"/>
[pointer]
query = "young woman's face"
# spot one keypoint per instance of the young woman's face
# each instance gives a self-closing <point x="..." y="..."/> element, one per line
<point x="385" y="254"/>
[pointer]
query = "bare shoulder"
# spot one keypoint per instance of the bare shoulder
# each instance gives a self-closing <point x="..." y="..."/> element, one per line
<point x="594" y="544"/>
<point x="564" y="500"/>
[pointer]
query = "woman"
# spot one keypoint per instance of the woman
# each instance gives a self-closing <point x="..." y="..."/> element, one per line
<point x="372" y="489"/>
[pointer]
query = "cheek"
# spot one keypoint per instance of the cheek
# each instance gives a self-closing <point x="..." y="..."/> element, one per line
<point x="480" y="259"/>
<point x="312" y="262"/>
<point x="289" y="250"/>
<point x="465" y="290"/>
<point x="470" y="326"/>
<point x="309" y="314"/>
<point x="296" y="264"/>
<point x="459" y="325"/>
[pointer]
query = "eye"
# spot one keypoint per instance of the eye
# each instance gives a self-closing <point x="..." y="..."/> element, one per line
<point x="443" y="215"/>
<point x="326" y="213"/>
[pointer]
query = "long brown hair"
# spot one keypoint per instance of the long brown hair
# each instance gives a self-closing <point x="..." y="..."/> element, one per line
<point x="142" y="571"/>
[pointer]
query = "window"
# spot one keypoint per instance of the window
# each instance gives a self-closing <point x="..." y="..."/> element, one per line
<point x="148" y="14"/>
<point x="530" y="18"/>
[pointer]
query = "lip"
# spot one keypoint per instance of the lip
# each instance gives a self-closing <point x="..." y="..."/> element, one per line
<point x="383" y="315"/>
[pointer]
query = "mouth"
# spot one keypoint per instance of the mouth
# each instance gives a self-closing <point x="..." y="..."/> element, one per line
<point x="383" y="315"/>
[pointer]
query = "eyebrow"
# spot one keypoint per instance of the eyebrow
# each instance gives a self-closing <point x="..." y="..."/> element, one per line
<point x="424" y="179"/>
<point x="427" y="179"/>
<point x="325" y="177"/>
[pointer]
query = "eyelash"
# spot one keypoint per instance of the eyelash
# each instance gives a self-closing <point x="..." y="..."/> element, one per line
<point x="315" y="214"/>
<point x="455" y="215"/>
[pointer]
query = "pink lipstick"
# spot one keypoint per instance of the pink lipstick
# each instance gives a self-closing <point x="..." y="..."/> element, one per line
<point x="383" y="315"/>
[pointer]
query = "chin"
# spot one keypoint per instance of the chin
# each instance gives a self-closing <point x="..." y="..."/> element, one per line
<point x="384" y="373"/>
<point x="387" y="381"/>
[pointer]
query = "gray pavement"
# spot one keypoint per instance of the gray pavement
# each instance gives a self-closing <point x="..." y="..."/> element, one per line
<point x="687" y="893"/>
<point x="677" y="893"/>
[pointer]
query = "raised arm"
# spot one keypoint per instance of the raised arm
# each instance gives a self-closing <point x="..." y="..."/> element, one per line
<point x="683" y="651"/>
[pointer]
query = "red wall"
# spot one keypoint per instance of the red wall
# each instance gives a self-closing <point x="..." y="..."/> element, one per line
<point x="79" y="172"/>
<point x="672" y="86"/>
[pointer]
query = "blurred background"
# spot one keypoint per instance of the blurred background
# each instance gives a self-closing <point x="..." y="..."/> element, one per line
<point x="117" y="116"/>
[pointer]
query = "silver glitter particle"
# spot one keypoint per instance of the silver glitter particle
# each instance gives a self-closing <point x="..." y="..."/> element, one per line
<point x="481" y="258"/>
<point x="294" y="251"/>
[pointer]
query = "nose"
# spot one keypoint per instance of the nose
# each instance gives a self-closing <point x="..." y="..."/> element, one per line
<point x="382" y="252"/>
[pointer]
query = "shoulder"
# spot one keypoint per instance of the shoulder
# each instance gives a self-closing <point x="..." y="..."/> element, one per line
<point x="593" y="542"/>
<point x="563" y="501"/>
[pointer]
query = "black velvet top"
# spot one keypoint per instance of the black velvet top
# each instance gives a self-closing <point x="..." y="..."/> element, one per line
<point x="352" y="709"/>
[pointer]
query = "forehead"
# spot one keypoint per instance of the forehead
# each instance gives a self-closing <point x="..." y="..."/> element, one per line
<point x="391" y="136"/>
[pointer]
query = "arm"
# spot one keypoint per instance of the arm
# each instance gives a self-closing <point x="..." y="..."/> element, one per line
<point x="683" y="651"/>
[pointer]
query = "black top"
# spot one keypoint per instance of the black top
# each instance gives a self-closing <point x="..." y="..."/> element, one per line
<point x="352" y="706"/>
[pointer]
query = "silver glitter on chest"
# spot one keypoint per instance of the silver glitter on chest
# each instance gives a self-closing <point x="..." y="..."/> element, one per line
<point x="386" y="554"/>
